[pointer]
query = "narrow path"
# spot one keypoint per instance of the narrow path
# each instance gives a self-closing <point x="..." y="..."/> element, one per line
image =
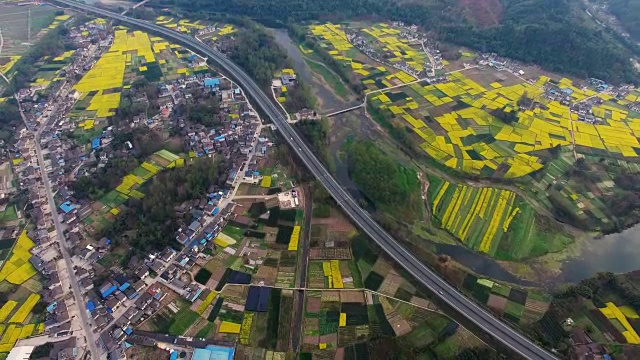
<point x="366" y="94"/>
<point x="273" y="93"/>
<point x="305" y="289"/>
<point x="258" y="197"/>
<point x="433" y="63"/>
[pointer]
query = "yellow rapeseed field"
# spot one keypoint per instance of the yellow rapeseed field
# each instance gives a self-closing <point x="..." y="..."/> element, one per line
<point x="107" y="76"/>
<point x="17" y="269"/>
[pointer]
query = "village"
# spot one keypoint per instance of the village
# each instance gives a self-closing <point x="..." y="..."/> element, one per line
<point x="46" y="161"/>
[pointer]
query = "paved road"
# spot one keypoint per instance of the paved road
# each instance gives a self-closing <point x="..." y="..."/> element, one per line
<point x="303" y="263"/>
<point x="86" y="324"/>
<point x="181" y="340"/>
<point x="473" y="312"/>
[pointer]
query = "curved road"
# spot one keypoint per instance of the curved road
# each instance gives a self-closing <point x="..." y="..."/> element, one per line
<point x="491" y="325"/>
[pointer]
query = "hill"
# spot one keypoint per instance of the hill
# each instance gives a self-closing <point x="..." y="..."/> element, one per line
<point x="554" y="34"/>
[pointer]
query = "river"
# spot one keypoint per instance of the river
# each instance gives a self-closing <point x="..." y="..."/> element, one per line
<point x="327" y="100"/>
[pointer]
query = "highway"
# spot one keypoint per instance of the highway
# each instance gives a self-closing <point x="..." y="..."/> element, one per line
<point x="491" y="325"/>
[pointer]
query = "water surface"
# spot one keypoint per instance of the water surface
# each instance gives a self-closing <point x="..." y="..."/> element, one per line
<point x="617" y="253"/>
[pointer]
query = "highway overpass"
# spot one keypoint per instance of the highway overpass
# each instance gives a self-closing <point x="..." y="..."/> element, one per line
<point x="491" y="325"/>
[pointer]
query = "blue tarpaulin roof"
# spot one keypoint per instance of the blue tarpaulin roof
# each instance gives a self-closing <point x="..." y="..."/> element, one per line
<point x="90" y="306"/>
<point x="211" y="82"/>
<point x="67" y="207"/>
<point x="109" y="291"/>
<point x="196" y="295"/>
<point x="52" y="306"/>
<point x="214" y="352"/>
<point x="95" y="143"/>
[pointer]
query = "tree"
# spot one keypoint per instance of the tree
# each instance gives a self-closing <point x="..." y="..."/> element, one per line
<point x="299" y="97"/>
<point x="389" y="185"/>
<point x="506" y="115"/>
<point x="257" y="53"/>
<point x="204" y="112"/>
<point x="316" y="132"/>
<point x="524" y="101"/>
<point x="151" y="222"/>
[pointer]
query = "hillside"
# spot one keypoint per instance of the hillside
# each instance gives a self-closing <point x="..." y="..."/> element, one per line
<point x="628" y="12"/>
<point x="551" y="33"/>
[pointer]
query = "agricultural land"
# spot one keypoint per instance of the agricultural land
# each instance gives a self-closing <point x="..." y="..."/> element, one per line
<point x="21" y="286"/>
<point x="492" y="133"/>
<point x="149" y="203"/>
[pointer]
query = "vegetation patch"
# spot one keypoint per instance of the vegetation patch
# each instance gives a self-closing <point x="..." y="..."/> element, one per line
<point x="202" y="276"/>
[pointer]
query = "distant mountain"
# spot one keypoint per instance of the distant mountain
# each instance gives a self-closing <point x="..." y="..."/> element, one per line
<point x="554" y="34"/>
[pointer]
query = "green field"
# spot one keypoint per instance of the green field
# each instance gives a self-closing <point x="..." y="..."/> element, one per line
<point x="332" y="79"/>
<point x="9" y="214"/>
<point x="14" y="22"/>
<point x="234" y="232"/>
<point x="206" y="331"/>
<point x="181" y="322"/>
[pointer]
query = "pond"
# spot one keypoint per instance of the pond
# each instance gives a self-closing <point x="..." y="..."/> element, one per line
<point x="617" y="253"/>
<point x="478" y="263"/>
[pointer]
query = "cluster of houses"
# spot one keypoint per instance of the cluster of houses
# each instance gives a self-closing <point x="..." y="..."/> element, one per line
<point x="363" y="45"/>
<point x="236" y="133"/>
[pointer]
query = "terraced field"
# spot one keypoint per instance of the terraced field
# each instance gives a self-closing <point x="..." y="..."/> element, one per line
<point x="493" y="221"/>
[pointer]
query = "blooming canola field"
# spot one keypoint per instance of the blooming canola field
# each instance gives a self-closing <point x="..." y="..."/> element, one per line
<point x="460" y="123"/>
<point x="107" y="76"/>
<point x="17" y="269"/>
<point x="473" y="140"/>
<point x="374" y="76"/>
<point x="477" y="216"/>
<point x="132" y="54"/>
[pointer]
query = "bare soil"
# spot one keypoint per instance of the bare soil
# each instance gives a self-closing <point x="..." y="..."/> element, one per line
<point x="484" y="13"/>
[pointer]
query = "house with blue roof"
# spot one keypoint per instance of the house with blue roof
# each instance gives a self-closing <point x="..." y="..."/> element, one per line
<point x="95" y="143"/>
<point x="212" y="83"/>
<point x="67" y="207"/>
<point x="214" y="352"/>
<point x="107" y="289"/>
